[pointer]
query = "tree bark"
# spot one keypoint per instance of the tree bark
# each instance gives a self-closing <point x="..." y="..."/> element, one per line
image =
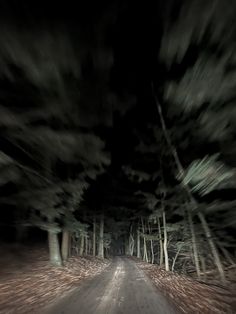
<point x="131" y="244"/>
<point x="145" y="256"/>
<point x="151" y="242"/>
<point x="94" y="236"/>
<point x="101" y="239"/>
<point x="86" y="245"/>
<point x="195" y="250"/>
<point x="202" y="259"/>
<point x="212" y="246"/>
<point x="65" y="245"/>
<point x="70" y="245"/>
<point x="54" y="250"/>
<point x="175" y="258"/>
<point x="160" y="241"/>
<point x="138" y="244"/>
<point x="165" y="242"/>
<point x="81" y="249"/>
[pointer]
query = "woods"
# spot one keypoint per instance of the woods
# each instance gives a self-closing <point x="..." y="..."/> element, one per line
<point x="118" y="143"/>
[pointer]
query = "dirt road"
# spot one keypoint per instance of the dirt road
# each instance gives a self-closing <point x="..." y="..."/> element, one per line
<point x="122" y="288"/>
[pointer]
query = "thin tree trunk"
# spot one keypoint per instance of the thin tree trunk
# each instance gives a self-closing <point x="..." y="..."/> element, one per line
<point x="54" y="249"/>
<point x="175" y="258"/>
<point x="69" y="245"/>
<point x="165" y="242"/>
<point x="145" y="256"/>
<point x="138" y="244"/>
<point x="81" y="249"/>
<point x="101" y="238"/>
<point x="89" y="246"/>
<point x="86" y="245"/>
<point x="195" y="250"/>
<point x="212" y="246"/>
<point x="192" y="199"/>
<point x="94" y="236"/>
<point x="131" y="244"/>
<point x="151" y="242"/>
<point x="160" y="241"/>
<point x="65" y="245"/>
<point x="202" y="259"/>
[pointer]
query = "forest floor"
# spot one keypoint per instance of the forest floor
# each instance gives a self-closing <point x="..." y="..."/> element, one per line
<point x="28" y="283"/>
<point x="190" y="295"/>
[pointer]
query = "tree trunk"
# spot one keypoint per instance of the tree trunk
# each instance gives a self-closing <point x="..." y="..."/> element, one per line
<point x="94" y="236"/>
<point x="54" y="250"/>
<point x="81" y="249"/>
<point x="145" y="256"/>
<point x="195" y="250"/>
<point x="89" y="246"/>
<point x="202" y="259"/>
<point x="138" y="244"/>
<point x="160" y="241"/>
<point x="65" y="245"/>
<point x="175" y="258"/>
<point x="101" y="239"/>
<point x="86" y="245"/>
<point x="151" y="242"/>
<point x="212" y="246"/>
<point x="192" y="199"/>
<point x="165" y="242"/>
<point x="131" y="244"/>
<point x="70" y="245"/>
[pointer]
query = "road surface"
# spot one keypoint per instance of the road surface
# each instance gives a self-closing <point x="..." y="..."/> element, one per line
<point x="121" y="288"/>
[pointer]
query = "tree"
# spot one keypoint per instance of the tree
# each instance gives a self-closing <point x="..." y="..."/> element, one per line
<point x="101" y="237"/>
<point x="204" y="92"/>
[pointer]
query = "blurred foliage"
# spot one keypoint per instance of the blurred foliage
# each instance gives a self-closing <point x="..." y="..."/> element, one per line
<point x="206" y="175"/>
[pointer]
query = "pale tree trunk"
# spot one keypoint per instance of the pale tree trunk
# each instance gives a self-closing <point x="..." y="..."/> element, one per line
<point x="138" y="244"/>
<point x="131" y="244"/>
<point x="86" y="245"/>
<point x="94" y="236"/>
<point x="212" y="246"/>
<point x="175" y="258"/>
<point x="145" y="256"/>
<point x="54" y="249"/>
<point x="81" y="249"/>
<point x="69" y="245"/>
<point x="65" y="245"/>
<point x="151" y="242"/>
<point x="192" y="199"/>
<point x="194" y="243"/>
<point x="160" y="241"/>
<point x="165" y="242"/>
<point x="101" y="239"/>
<point x="202" y="259"/>
<point x="89" y="246"/>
